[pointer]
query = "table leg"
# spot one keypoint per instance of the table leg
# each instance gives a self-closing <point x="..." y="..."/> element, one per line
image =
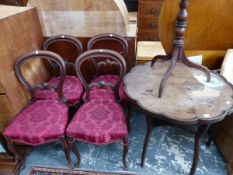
<point x="149" y="123"/>
<point x="201" y="130"/>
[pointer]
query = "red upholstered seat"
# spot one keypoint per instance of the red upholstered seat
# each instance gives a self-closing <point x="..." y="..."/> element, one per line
<point x="41" y="122"/>
<point x="98" y="122"/>
<point x="72" y="90"/>
<point x="109" y="79"/>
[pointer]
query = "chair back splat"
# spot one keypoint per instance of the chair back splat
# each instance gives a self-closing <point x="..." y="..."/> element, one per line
<point x="33" y="88"/>
<point x="109" y="41"/>
<point x="110" y="58"/>
<point x="72" y="87"/>
<point x="53" y="42"/>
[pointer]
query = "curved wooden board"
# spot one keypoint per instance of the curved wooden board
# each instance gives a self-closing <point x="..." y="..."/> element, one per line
<point x="82" y="18"/>
<point x="209" y="27"/>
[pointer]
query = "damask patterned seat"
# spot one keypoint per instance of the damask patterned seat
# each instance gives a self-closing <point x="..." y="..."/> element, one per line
<point x="99" y="122"/>
<point x="73" y="89"/>
<point x="101" y="119"/>
<point x="42" y="121"/>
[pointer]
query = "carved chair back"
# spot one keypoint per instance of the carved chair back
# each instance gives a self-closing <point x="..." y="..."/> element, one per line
<point x="46" y="55"/>
<point x="109" y="41"/>
<point x="104" y="59"/>
<point x="57" y="42"/>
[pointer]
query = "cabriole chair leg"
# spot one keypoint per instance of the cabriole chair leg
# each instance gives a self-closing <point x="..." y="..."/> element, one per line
<point x="11" y="147"/>
<point x="66" y="149"/>
<point x="74" y="149"/>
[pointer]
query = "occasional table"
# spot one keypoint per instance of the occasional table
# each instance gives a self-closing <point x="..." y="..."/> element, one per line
<point x="188" y="99"/>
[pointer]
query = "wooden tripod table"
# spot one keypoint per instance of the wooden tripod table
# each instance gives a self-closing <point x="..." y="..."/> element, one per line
<point x="188" y="99"/>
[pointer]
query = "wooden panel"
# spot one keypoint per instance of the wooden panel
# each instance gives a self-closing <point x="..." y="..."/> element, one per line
<point x="148" y="36"/>
<point x="6" y="112"/>
<point x="209" y="26"/>
<point x="12" y="2"/>
<point x="11" y="166"/>
<point x="82" y="18"/>
<point x="150" y="9"/>
<point x="148" y="16"/>
<point x="20" y="33"/>
<point x="2" y="90"/>
<point x="148" y="24"/>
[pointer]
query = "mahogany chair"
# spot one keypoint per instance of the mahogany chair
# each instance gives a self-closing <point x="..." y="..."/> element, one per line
<point x="100" y="120"/>
<point x="113" y="42"/>
<point x="42" y="121"/>
<point x="73" y="89"/>
<point x="119" y="44"/>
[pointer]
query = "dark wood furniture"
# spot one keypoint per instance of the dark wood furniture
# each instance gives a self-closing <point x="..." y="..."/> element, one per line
<point x="101" y="119"/>
<point x="8" y="164"/>
<point x="148" y="19"/>
<point x="178" y="54"/>
<point x="208" y="31"/>
<point x="14" y="2"/>
<point x="187" y="100"/>
<point x="132" y="5"/>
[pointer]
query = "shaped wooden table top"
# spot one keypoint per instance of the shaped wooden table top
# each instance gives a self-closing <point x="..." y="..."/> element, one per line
<point x="187" y="98"/>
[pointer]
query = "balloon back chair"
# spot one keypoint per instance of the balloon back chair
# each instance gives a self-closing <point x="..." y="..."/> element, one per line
<point x="119" y="44"/>
<point x="72" y="88"/>
<point x="100" y="120"/>
<point x="42" y="121"/>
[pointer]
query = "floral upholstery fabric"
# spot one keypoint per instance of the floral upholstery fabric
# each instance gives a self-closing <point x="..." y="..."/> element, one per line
<point x="72" y="90"/>
<point x="99" y="93"/>
<point x="41" y="122"/>
<point x="98" y="122"/>
<point x="112" y="79"/>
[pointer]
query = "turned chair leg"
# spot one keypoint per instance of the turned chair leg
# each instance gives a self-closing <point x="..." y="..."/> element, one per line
<point x="66" y="149"/>
<point x="125" y="151"/>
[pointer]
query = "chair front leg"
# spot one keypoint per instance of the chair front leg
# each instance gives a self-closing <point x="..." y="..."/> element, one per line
<point x="74" y="149"/>
<point x="125" y="151"/>
<point x="66" y="149"/>
<point x="12" y="149"/>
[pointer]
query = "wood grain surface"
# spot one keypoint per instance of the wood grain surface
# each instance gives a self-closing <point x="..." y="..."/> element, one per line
<point x="209" y="25"/>
<point x="82" y="18"/>
<point x="20" y="33"/>
<point x="187" y="96"/>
